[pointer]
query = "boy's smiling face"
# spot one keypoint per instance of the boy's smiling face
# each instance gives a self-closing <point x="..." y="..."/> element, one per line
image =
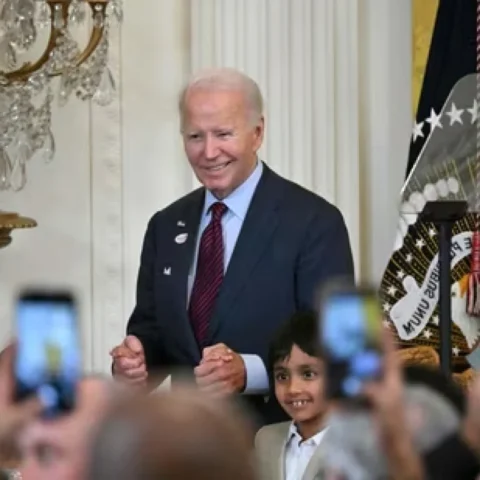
<point x="299" y="388"/>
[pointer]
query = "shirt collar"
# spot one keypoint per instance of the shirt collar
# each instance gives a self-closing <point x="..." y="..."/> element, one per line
<point x="293" y="434"/>
<point x="239" y="200"/>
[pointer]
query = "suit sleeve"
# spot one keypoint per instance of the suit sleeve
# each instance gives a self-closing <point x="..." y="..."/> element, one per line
<point x="326" y="255"/>
<point x="142" y="322"/>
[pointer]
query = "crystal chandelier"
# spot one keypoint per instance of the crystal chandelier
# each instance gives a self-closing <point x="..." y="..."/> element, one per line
<point x="27" y="90"/>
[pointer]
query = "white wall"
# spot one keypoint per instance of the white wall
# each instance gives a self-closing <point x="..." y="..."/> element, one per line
<point x="115" y="166"/>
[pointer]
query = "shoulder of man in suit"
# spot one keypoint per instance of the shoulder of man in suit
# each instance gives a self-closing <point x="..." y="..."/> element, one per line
<point x="297" y="197"/>
<point x="179" y="206"/>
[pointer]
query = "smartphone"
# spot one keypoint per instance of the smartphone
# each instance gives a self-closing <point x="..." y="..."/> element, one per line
<point x="48" y="358"/>
<point x="350" y="326"/>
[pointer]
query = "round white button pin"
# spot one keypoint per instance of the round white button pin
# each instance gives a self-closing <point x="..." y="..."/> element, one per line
<point x="182" y="238"/>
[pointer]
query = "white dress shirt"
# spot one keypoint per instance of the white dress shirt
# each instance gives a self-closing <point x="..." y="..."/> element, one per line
<point x="237" y="202"/>
<point x="298" y="452"/>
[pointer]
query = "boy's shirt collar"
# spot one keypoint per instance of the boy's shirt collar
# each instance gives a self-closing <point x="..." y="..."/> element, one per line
<point x="294" y="435"/>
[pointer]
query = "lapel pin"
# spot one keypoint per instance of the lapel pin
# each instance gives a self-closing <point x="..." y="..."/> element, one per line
<point x="167" y="270"/>
<point x="182" y="238"/>
<point x="180" y="223"/>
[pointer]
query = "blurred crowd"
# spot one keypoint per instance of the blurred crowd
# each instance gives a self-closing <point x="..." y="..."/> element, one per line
<point x="414" y="424"/>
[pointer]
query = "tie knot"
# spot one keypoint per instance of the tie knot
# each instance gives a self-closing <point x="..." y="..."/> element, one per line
<point x="218" y="209"/>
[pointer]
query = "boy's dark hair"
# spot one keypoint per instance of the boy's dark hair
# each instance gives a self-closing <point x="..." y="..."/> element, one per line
<point x="300" y="330"/>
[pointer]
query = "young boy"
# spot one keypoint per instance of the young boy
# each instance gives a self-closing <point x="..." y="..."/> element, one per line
<point x="292" y="450"/>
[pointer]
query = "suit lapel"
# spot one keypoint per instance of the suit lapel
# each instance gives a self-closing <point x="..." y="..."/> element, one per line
<point x="255" y="236"/>
<point x="188" y="222"/>
<point x="277" y="456"/>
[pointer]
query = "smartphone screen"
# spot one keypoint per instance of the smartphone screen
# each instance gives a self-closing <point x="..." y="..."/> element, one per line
<point x="351" y="325"/>
<point x="48" y="360"/>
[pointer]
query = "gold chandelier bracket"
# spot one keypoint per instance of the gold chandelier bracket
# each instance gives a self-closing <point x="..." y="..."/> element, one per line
<point x="11" y="221"/>
<point x="59" y="18"/>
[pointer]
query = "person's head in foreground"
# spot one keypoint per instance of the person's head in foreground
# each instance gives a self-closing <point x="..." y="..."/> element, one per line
<point x="58" y="448"/>
<point x="410" y="413"/>
<point x="296" y="368"/>
<point x="173" y="435"/>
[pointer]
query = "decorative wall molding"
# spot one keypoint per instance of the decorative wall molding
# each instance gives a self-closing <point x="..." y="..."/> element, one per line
<point x="107" y="320"/>
<point x="304" y="56"/>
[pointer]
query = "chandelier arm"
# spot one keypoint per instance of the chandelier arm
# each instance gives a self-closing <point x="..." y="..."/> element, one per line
<point x="95" y="38"/>
<point x="24" y="72"/>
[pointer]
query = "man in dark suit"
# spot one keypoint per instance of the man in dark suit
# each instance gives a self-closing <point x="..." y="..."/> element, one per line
<point x="225" y="265"/>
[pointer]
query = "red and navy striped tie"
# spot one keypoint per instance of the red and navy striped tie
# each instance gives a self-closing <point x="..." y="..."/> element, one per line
<point x="209" y="274"/>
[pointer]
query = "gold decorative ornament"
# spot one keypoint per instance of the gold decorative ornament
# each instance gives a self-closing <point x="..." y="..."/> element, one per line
<point x="11" y="221"/>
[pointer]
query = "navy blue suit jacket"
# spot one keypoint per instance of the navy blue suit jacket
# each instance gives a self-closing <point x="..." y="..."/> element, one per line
<point x="291" y="241"/>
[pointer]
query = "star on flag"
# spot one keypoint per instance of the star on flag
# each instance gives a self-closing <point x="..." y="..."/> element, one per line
<point x="417" y="130"/>
<point x="427" y="334"/>
<point x="474" y="111"/>
<point x="434" y="120"/>
<point x="455" y="115"/>
<point x="420" y="243"/>
<point x="392" y="290"/>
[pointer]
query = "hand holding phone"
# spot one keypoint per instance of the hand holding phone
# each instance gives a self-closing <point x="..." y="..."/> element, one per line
<point x="350" y="335"/>
<point x="12" y="415"/>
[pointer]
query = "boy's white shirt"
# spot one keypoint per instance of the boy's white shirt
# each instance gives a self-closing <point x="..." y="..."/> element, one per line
<point x="299" y="452"/>
<point x="281" y="457"/>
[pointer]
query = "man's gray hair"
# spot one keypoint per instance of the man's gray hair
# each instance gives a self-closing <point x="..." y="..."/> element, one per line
<point x="228" y="79"/>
